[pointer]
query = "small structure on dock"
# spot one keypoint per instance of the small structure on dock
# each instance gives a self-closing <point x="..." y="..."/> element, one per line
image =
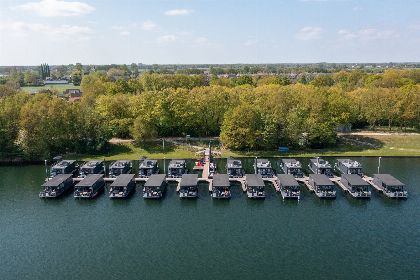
<point x="320" y="166"/>
<point x="263" y="167"/>
<point x="122" y="187"/>
<point x="255" y="187"/>
<point x="292" y="166"/>
<point x="390" y="186"/>
<point x="56" y="186"/>
<point x="356" y="186"/>
<point x="155" y="186"/>
<point x="148" y="167"/>
<point x="120" y="167"/>
<point x="177" y="168"/>
<point x="348" y="166"/>
<point x="234" y="168"/>
<point x="289" y="187"/>
<point x="90" y="186"/>
<point x="64" y="167"/>
<point x="221" y="186"/>
<point x="92" y="167"/>
<point x="188" y="187"/>
<point x="322" y="185"/>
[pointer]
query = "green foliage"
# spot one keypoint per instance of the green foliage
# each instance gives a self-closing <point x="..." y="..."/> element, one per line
<point x="44" y="71"/>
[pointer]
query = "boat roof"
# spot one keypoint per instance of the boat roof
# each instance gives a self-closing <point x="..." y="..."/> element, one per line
<point x="148" y="163"/>
<point x="189" y="180"/>
<point x="234" y="163"/>
<point x="155" y="180"/>
<point x="321" y="179"/>
<point x="120" y="163"/>
<point x="57" y="180"/>
<point x="221" y="180"/>
<point x="122" y="180"/>
<point x="254" y="180"/>
<point x="89" y="180"/>
<point x="287" y="180"/>
<point x="63" y="163"/>
<point x="349" y="162"/>
<point x="291" y="162"/>
<point x="92" y="163"/>
<point x="320" y="163"/>
<point x="262" y="162"/>
<point x="388" y="179"/>
<point x="177" y="163"/>
<point x="355" y="180"/>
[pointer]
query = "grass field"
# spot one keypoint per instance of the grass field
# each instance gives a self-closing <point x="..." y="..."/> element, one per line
<point x="349" y="145"/>
<point x="59" y="88"/>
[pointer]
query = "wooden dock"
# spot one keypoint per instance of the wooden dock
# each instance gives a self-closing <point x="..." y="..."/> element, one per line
<point x="206" y="170"/>
<point x="369" y="180"/>
<point x="240" y="180"/>
<point x="177" y="180"/>
<point x="274" y="181"/>
<point x="338" y="183"/>
<point x="305" y="180"/>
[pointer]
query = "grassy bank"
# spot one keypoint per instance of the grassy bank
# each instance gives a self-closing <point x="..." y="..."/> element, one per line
<point x="59" y="88"/>
<point x="364" y="144"/>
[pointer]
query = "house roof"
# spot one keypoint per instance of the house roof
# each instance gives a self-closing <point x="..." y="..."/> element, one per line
<point x="89" y="180"/>
<point x="155" y="180"/>
<point x="388" y="179"/>
<point x="287" y="180"/>
<point x="92" y="163"/>
<point x="148" y="163"/>
<point x="120" y="163"/>
<point x="321" y="163"/>
<point x="291" y="162"/>
<point x="321" y="179"/>
<point x="221" y="180"/>
<point x="122" y="180"/>
<point x="254" y="180"/>
<point x="63" y="163"/>
<point x="354" y="180"/>
<point x="57" y="180"/>
<point x="189" y="180"/>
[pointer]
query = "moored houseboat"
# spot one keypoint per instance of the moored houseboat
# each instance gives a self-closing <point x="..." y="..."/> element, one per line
<point x="390" y="186"/>
<point x="122" y="186"/>
<point x="221" y="186"/>
<point x="56" y="186"/>
<point x="292" y="166"/>
<point x="120" y="167"/>
<point x="263" y="167"/>
<point x="188" y="187"/>
<point x="64" y="167"/>
<point x="289" y="187"/>
<point x="357" y="187"/>
<point x="91" y="167"/>
<point x="348" y="166"/>
<point x="323" y="186"/>
<point x="90" y="186"/>
<point x="255" y="187"/>
<point x="234" y="168"/>
<point x="320" y="166"/>
<point x="155" y="186"/>
<point x="148" y="167"/>
<point x="177" y="168"/>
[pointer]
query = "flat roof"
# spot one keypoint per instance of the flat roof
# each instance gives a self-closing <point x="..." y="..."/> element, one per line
<point x="57" y="180"/>
<point x="92" y="163"/>
<point x="122" y="180"/>
<point x="148" y="163"/>
<point x="89" y="180"/>
<point x="155" y="180"/>
<point x="234" y="163"/>
<point x="120" y="163"/>
<point x="321" y="179"/>
<point x="287" y="180"/>
<point x="64" y="163"/>
<point x="355" y="180"/>
<point x="221" y="180"/>
<point x="388" y="180"/>
<point x="254" y="180"/>
<point x="189" y="180"/>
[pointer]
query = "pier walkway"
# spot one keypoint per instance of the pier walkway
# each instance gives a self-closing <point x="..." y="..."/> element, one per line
<point x="369" y="180"/>
<point x="240" y="180"/>
<point x="337" y="181"/>
<point x="305" y="180"/>
<point x="274" y="181"/>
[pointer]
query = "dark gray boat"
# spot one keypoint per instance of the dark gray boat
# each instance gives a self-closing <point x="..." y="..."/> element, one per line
<point x="188" y="187"/>
<point x="56" y="186"/>
<point x="155" y="186"/>
<point x="221" y="186"/>
<point x="122" y="187"/>
<point x="90" y="186"/>
<point x="255" y="187"/>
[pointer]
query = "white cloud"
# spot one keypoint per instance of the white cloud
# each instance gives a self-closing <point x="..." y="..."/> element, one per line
<point x="367" y="34"/>
<point x="167" y="38"/>
<point x="179" y="12"/>
<point x="309" y="33"/>
<point x="201" y="40"/>
<point x="125" y="33"/>
<point x="148" y="25"/>
<point x="56" y="8"/>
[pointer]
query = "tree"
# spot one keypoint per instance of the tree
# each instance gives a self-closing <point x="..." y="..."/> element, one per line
<point x="31" y="78"/>
<point x="76" y="78"/>
<point x="44" y="71"/>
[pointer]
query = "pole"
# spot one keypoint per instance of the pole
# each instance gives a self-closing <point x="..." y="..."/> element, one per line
<point x="317" y="165"/>
<point x="164" y="165"/>
<point x="163" y="144"/>
<point x="46" y="169"/>
<point x="255" y="165"/>
<point x="104" y="168"/>
<point x="379" y="164"/>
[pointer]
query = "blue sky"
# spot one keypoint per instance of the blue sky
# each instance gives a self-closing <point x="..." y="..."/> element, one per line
<point x="208" y="31"/>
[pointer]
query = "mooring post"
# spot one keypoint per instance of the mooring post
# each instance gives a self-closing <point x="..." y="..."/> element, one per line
<point x="317" y="165"/>
<point x="255" y="165"/>
<point x="379" y="164"/>
<point x="46" y="169"/>
<point x="164" y="165"/>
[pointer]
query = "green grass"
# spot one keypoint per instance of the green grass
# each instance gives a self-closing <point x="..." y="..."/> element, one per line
<point x="59" y="88"/>
<point x="377" y="145"/>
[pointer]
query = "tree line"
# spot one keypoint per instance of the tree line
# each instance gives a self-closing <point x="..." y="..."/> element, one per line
<point x="252" y="113"/>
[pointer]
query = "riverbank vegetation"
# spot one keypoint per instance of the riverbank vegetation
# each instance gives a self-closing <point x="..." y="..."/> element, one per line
<point x="248" y="112"/>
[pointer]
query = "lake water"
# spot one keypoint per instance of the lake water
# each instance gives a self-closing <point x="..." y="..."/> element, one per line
<point x="205" y="239"/>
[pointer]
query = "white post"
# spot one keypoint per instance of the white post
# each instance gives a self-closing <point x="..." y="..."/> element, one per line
<point x="379" y="164"/>
<point x="164" y="165"/>
<point x="104" y="168"/>
<point x="163" y="144"/>
<point x="255" y="165"/>
<point x="46" y="169"/>
<point x="317" y="165"/>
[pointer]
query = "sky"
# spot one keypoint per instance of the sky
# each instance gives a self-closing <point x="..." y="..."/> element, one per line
<point x="208" y="31"/>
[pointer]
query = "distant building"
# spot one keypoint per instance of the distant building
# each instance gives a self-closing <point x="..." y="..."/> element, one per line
<point x="73" y="92"/>
<point x="56" y="82"/>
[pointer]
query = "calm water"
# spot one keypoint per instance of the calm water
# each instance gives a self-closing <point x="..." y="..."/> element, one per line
<point x="205" y="239"/>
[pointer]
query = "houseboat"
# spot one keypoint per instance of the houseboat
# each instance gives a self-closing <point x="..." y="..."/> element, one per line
<point x="148" y="167"/>
<point x="56" y="186"/>
<point x="177" y="168"/>
<point x="292" y="166"/>
<point x="390" y="186"/>
<point x="263" y="167"/>
<point x="188" y="187"/>
<point x="356" y="186"/>
<point x="323" y="186"/>
<point x="90" y="186"/>
<point x="348" y="166"/>
<point x="91" y="167"/>
<point x="221" y="186"/>
<point x="255" y="187"/>
<point x="122" y="187"/>
<point x="120" y="167"/>
<point x="155" y="186"/>
<point x="64" y="167"/>
<point x="234" y="168"/>
<point x="321" y="166"/>
<point x="289" y="187"/>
